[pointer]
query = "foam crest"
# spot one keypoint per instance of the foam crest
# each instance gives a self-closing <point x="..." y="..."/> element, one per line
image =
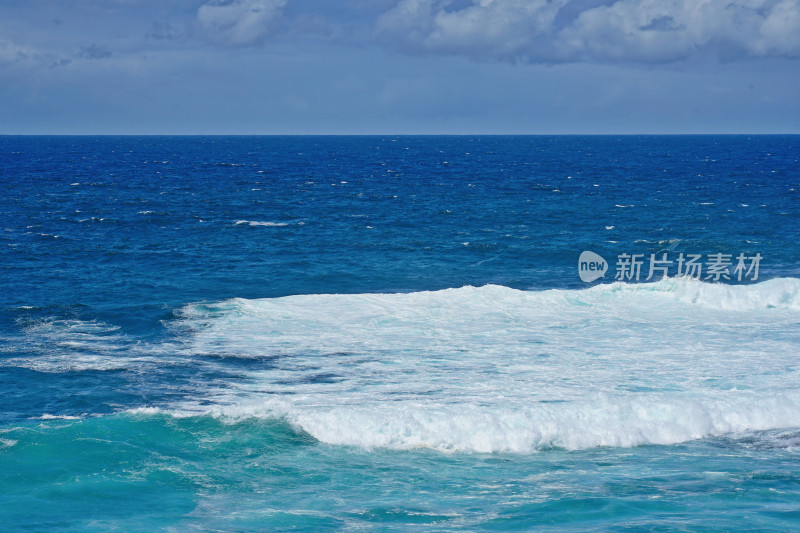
<point x="607" y="420"/>
<point x="465" y="317"/>
<point x="261" y="223"/>
<point x="497" y="369"/>
<point x="780" y="293"/>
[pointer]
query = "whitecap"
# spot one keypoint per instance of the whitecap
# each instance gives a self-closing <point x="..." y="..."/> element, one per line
<point x="261" y="223"/>
<point x="496" y="369"/>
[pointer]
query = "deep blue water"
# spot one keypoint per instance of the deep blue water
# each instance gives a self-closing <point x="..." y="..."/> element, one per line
<point x="243" y="333"/>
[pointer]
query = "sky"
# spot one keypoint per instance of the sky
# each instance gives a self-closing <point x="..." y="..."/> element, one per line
<point x="399" y="66"/>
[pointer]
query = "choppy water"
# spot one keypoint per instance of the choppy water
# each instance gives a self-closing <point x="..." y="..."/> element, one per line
<point x="243" y="333"/>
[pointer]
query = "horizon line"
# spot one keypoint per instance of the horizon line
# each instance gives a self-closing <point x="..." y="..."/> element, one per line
<point x="610" y="134"/>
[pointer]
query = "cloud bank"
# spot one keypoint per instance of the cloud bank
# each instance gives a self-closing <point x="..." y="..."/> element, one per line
<point x="558" y="31"/>
<point x="527" y="31"/>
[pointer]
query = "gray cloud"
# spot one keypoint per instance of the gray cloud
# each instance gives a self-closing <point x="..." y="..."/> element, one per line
<point x="94" y="51"/>
<point x="554" y="31"/>
<point x="239" y="22"/>
<point x="163" y="31"/>
<point x="15" y="56"/>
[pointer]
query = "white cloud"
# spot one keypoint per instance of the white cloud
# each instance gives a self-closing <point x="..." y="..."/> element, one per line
<point x="239" y="22"/>
<point x="11" y="53"/>
<point x="595" y="30"/>
<point x="15" y="56"/>
<point x="781" y="30"/>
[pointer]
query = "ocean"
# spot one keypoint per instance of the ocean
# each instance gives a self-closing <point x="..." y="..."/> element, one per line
<point x="400" y="333"/>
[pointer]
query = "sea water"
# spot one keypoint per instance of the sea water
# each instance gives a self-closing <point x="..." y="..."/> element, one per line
<point x="391" y="333"/>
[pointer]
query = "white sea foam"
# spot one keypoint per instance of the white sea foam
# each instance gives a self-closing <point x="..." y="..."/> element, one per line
<point x="783" y="293"/>
<point x="496" y="369"/>
<point x="605" y="420"/>
<point x="73" y="345"/>
<point x="261" y="223"/>
<point x="148" y="411"/>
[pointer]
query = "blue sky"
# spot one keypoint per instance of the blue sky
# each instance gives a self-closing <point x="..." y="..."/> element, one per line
<point x="399" y="66"/>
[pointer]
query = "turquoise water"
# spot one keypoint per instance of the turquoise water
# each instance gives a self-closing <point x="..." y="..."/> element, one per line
<point x="390" y="333"/>
<point x="136" y="472"/>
